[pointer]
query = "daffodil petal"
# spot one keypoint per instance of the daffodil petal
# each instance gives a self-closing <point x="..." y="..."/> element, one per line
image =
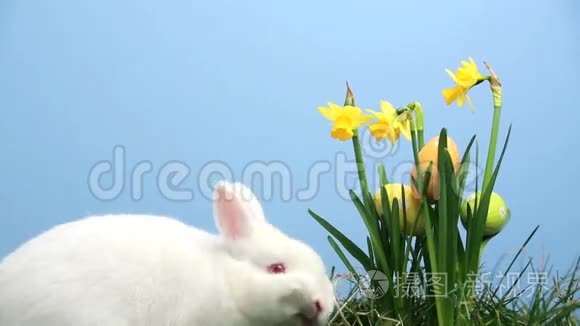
<point x="460" y="99"/>
<point x="388" y="109"/>
<point x="364" y="118"/>
<point x="334" y="106"/>
<point x="405" y="129"/>
<point x="376" y="114"/>
<point x="328" y="113"/>
<point x="451" y="74"/>
<point x="470" y="103"/>
<point x="393" y="135"/>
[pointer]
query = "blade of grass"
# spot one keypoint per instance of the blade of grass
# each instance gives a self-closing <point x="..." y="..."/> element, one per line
<point x="350" y="246"/>
<point x="370" y="250"/>
<point x="343" y="258"/>
<point x="442" y="228"/>
<point x="515" y="283"/>
<point x="382" y="175"/>
<point x="516" y="257"/>
<point x="376" y="242"/>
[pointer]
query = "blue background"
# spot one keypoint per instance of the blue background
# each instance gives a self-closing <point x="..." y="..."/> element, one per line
<point x="240" y="81"/>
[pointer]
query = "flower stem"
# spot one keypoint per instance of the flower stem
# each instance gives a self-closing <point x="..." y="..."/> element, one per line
<point x="496" y="92"/>
<point x="483" y="246"/>
<point x="360" y="164"/>
<point x="420" y="124"/>
<point x="492" y="146"/>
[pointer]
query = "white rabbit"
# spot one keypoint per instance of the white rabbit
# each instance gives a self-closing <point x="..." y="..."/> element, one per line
<point x="139" y="270"/>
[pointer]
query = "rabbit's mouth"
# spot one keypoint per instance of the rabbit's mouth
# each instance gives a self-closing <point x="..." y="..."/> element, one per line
<point x="312" y="315"/>
<point x="308" y="321"/>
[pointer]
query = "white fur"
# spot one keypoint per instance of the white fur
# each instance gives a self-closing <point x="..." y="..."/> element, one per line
<point x="139" y="270"/>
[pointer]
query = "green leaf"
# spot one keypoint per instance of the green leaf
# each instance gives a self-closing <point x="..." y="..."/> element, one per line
<point x="396" y="236"/>
<point x="516" y="257"/>
<point x="448" y="212"/>
<point x="370" y="249"/>
<point x="472" y="244"/>
<point x="350" y="246"/>
<point x="378" y="247"/>
<point x="461" y="258"/>
<point x="442" y="229"/>
<point x="405" y="240"/>
<point x="463" y="173"/>
<point x="343" y="258"/>
<point x="516" y="281"/>
<point x="382" y="175"/>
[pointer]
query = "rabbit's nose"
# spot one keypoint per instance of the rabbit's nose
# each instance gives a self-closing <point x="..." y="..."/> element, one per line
<point x="318" y="307"/>
<point x="311" y="319"/>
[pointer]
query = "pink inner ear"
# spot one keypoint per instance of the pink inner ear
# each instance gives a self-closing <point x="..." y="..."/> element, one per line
<point x="229" y="214"/>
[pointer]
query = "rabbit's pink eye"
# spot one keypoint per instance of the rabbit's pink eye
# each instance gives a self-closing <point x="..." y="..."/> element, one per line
<point x="277" y="268"/>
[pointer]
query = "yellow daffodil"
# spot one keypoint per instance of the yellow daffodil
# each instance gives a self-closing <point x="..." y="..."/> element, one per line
<point x="390" y="125"/>
<point x="345" y="119"/>
<point x="465" y="78"/>
<point x="383" y="127"/>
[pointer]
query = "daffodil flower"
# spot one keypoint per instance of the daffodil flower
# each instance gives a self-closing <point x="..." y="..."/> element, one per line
<point x="345" y="119"/>
<point x="465" y="78"/>
<point x="389" y="124"/>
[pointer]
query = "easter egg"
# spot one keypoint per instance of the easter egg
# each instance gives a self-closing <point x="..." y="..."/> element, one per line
<point x="498" y="214"/>
<point x="429" y="154"/>
<point x="407" y="220"/>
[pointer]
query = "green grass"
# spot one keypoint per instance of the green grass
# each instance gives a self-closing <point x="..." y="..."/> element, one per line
<point x="556" y="304"/>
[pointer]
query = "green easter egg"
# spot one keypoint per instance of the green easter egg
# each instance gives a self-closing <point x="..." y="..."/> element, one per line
<point x="498" y="213"/>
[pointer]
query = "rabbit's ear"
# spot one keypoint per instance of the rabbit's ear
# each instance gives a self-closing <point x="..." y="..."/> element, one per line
<point x="236" y="209"/>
